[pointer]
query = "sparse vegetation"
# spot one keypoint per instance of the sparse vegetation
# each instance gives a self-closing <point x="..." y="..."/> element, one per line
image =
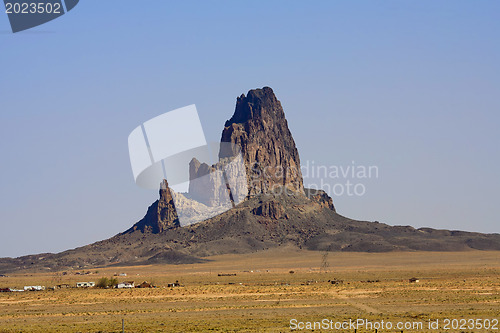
<point x="104" y="282"/>
<point x="266" y="296"/>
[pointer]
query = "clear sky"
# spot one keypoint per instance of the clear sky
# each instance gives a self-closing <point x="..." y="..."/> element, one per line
<point x="409" y="86"/>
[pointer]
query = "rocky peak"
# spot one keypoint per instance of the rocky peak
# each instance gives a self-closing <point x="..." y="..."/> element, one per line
<point x="259" y="127"/>
<point x="258" y="130"/>
<point x="258" y="104"/>
<point x="161" y="215"/>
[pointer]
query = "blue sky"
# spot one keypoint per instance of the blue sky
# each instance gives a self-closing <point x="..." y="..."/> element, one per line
<point x="411" y="87"/>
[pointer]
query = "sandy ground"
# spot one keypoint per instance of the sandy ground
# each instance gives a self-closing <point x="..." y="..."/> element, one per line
<point x="264" y="296"/>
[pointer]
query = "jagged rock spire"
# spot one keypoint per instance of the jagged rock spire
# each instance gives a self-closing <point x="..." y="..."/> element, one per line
<point x="259" y="127"/>
<point x="161" y="215"/>
<point x="259" y="131"/>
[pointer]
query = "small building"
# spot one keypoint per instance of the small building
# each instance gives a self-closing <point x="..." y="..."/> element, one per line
<point x="34" y="288"/>
<point x="63" y="286"/>
<point x="145" y="284"/>
<point x="336" y="281"/>
<point x="125" y="284"/>
<point x="414" y="280"/>
<point x="85" y="284"/>
<point x="175" y="284"/>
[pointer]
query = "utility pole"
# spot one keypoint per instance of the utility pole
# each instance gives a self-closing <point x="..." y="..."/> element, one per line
<point x="324" y="262"/>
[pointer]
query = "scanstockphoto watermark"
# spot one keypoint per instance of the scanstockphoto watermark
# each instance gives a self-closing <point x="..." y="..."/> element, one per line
<point x="338" y="180"/>
<point x="446" y="325"/>
<point x="348" y="179"/>
<point x="356" y="324"/>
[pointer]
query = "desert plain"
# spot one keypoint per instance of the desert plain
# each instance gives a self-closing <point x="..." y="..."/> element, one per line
<point x="278" y="290"/>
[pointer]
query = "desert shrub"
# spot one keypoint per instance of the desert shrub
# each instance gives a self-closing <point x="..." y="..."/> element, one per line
<point x="112" y="282"/>
<point x="102" y="283"/>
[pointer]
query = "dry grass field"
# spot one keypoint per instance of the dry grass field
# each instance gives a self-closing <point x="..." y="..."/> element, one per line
<point x="264" y="296"/>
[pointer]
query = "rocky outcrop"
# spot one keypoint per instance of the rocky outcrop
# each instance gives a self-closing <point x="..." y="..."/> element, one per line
<point x="271" y="209"/>
<point x="320" y="197"/>
<point x="207" y="184"/>
<point x="161" y="215"/>
<point x="257" y="157"/>
<point x="259" y="128"/>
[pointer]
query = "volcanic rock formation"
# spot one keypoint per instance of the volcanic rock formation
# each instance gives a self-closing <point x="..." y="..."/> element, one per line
<point x="258" y="127"/>
<point x="161" y="215"/>
<point x="259" y="163"/>
<point x="257" y="134"/>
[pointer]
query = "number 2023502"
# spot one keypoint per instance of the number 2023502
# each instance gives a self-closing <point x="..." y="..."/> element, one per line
<point x="33" y="8"/>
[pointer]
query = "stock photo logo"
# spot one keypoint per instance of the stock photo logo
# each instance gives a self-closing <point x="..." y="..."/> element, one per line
<point x="170" y="147"/>
<point x="26" y="14"/>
